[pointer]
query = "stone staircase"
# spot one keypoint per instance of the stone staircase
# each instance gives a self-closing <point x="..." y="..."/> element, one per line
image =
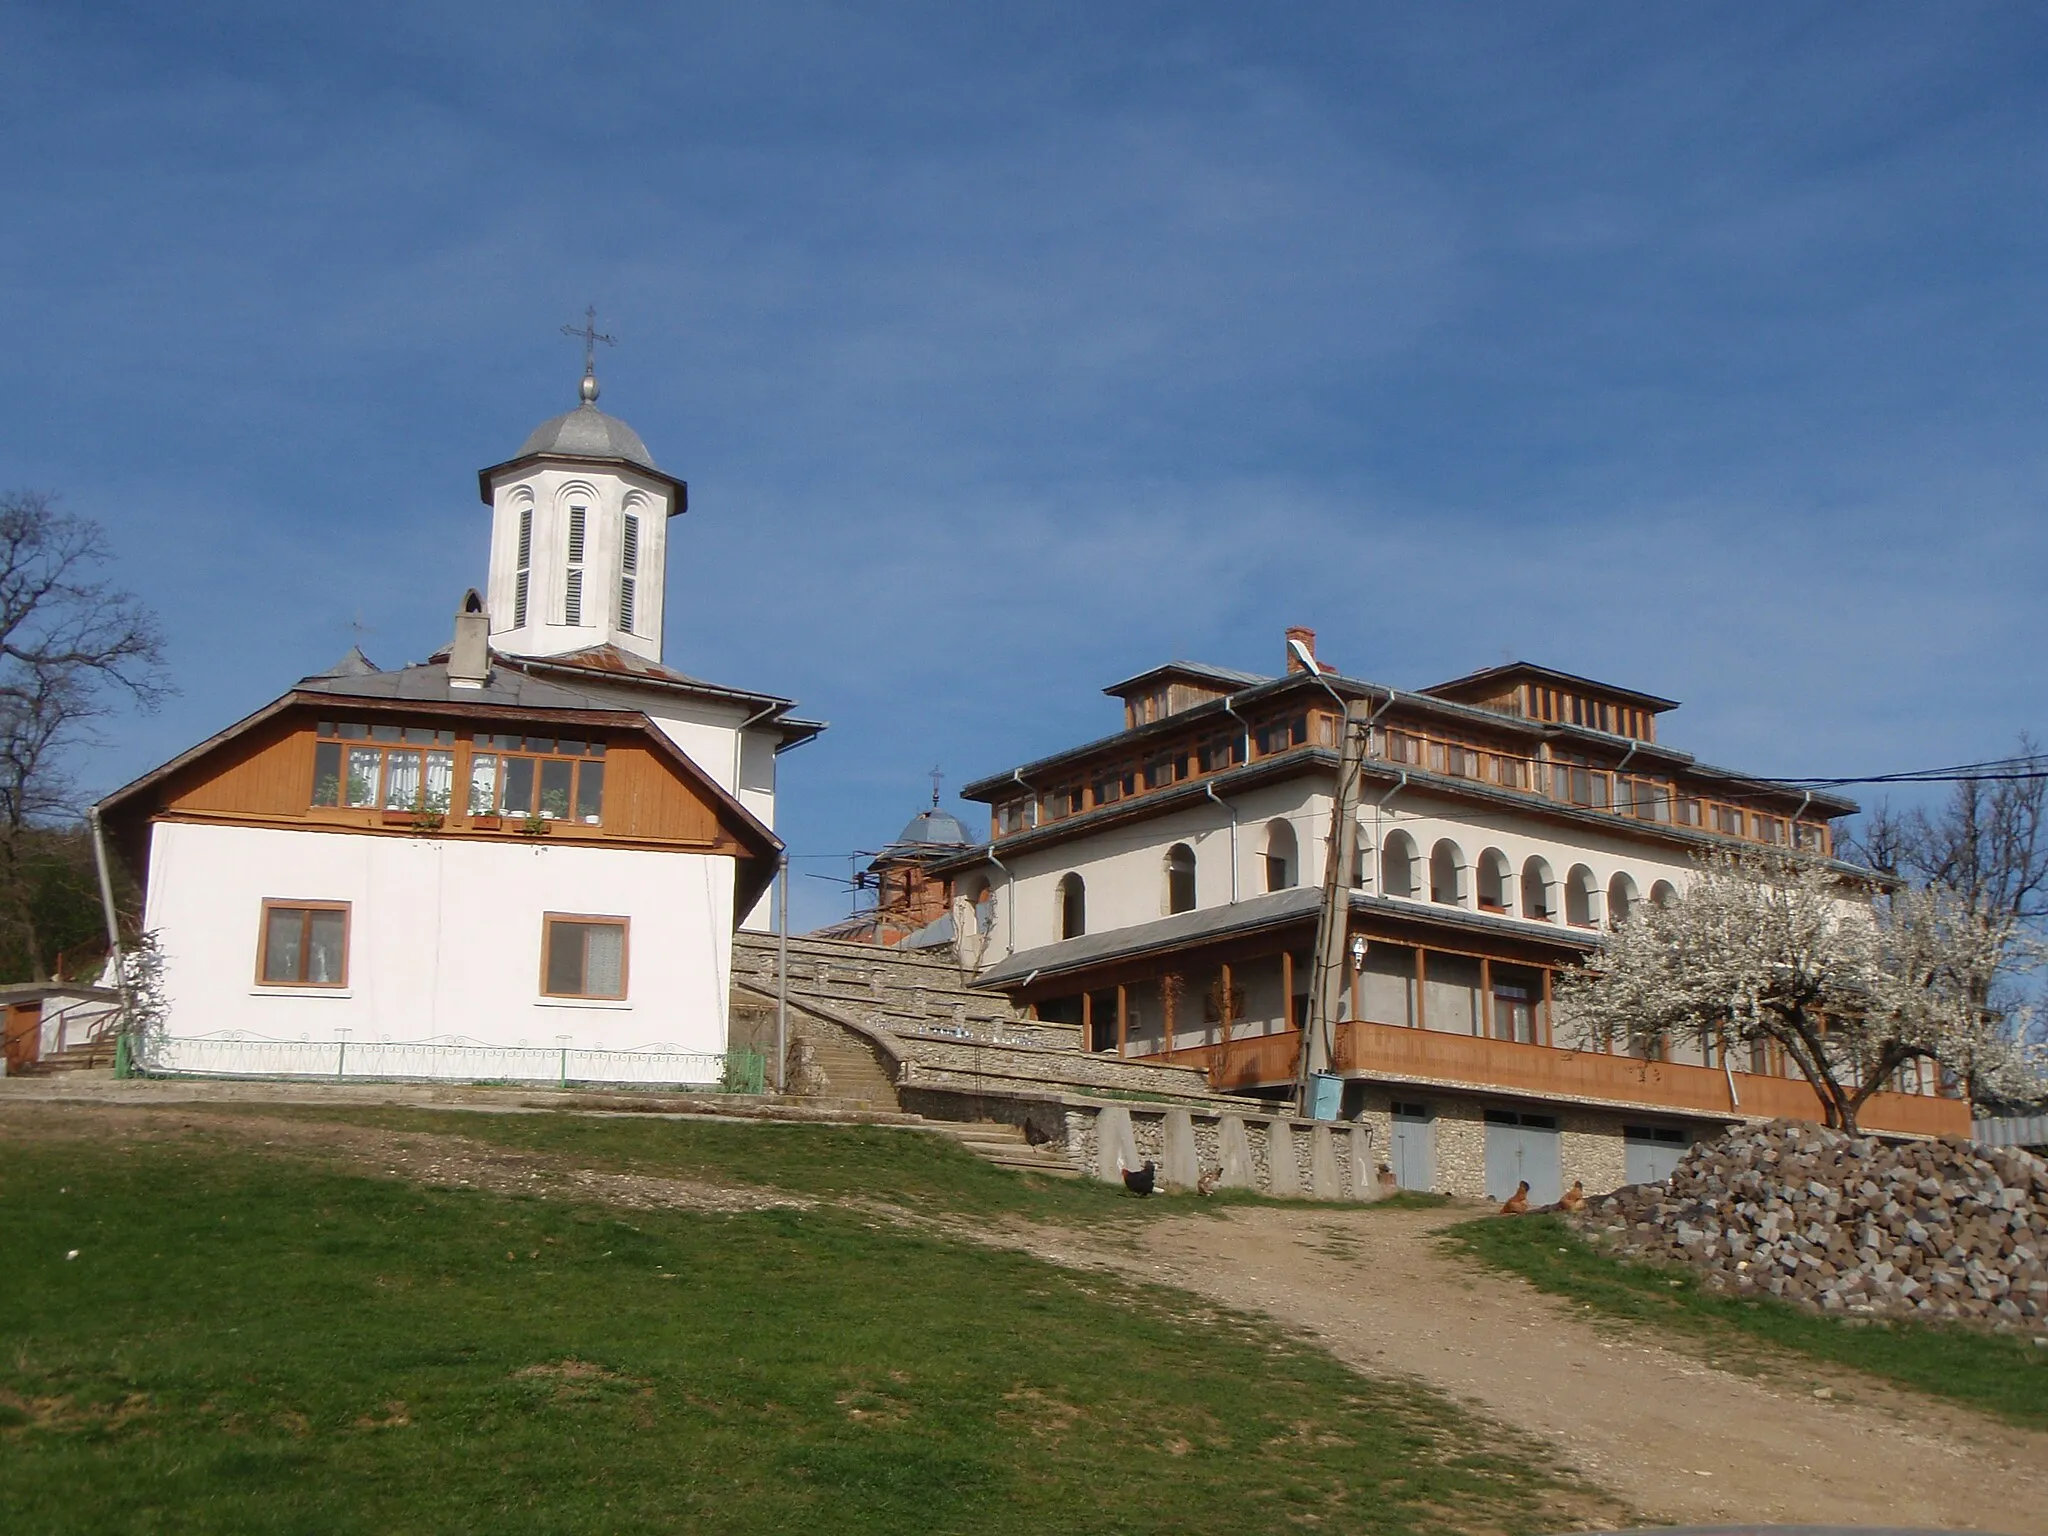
<point x="1007" y="1147"/>
<point x="894" y="1022"/>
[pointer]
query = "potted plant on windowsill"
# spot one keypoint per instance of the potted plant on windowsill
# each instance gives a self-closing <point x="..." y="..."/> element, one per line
<point x="486" y="823"/>
<point x="533" y="824"/>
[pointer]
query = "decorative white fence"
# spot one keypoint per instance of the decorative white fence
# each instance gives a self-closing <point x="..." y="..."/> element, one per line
<point x="235" y="1054"/>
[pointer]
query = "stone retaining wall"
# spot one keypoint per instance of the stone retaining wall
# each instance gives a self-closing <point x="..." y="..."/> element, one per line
<point x="1272" y="1154"/>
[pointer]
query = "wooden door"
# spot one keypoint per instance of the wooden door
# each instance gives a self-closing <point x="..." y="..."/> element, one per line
<point x="23" y="1024"/>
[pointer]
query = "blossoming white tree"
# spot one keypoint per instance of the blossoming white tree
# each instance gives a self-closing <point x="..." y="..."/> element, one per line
<point x="1850" y="986"/>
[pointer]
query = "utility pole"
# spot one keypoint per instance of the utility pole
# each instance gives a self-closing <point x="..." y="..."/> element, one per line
<point x="782" y="980"/>
<point x="1319" y="1030"/>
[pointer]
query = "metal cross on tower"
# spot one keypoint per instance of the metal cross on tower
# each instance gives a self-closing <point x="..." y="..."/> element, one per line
<point x="591" y="337"/>
<point x="937" y="776"/>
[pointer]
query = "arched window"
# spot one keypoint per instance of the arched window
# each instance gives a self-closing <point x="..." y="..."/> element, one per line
<point x="1663" y="893"/>
<point x="629" y="569"/>
<point x="1621" y="899"/>
<point x="1361" y="861"/>
<point x="1539" y="891"/>
<point x="1581" y="898"/>
<point x="1496" y="881"/>
<point x="1447" y="873"/>
<point x="522" y="579"/>
<point x="1073" y="907"/>
<point x="572" y="579"/>
<point x="1398" y="875"/>
<point x="1180" y="878"/>
<point x="1283" y="860"/>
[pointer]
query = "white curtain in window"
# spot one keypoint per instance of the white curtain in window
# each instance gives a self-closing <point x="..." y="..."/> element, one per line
<point x="281" y="944"/>
<point x="324" y="953"/>
<point x="440" y="780"/>
<point x="401" y="781"/>
<point x="604" y="956"/>
<point x="364" y="764"/>
<point x="483" y="784"/>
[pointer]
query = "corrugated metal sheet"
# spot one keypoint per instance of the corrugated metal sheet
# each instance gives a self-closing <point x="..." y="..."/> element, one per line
<point x="2019" y="1131"/>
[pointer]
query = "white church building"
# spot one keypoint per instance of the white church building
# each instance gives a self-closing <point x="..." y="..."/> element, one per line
<point x="522" y="859"/>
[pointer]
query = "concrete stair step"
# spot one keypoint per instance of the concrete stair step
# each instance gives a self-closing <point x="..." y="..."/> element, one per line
<point x="1005" y="1146"/>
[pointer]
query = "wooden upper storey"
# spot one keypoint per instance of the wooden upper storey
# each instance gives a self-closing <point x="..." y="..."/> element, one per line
<point x="603" y="778"/>
<point x="1480" y="743"/>
<point x="1539" y="693"/>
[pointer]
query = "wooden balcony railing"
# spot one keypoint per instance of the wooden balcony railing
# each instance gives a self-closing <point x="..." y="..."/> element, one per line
<point x="1431" y="1056"/>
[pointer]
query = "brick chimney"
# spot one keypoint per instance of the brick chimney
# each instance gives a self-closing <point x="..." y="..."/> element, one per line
<point x="1306" y="638"/>
<point x="469" y="658"/>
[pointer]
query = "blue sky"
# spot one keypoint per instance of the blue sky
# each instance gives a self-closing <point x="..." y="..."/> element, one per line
<point x="1008" y="350"/>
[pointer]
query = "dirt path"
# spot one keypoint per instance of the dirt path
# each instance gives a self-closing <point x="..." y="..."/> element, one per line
<point x="1661" y="1428"/>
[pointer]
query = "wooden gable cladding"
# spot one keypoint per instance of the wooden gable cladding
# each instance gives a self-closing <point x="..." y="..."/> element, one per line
<point x="646" y="799"/>
<point x="264" y="776"/>
<point x="264" y="773"/>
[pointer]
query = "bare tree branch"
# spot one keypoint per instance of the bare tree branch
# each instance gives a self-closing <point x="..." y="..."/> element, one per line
<point x="73" y="647"/>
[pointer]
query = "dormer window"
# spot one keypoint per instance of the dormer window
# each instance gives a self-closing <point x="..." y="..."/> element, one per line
<point x="572" y="584"/>
<point x="629" y="569"/>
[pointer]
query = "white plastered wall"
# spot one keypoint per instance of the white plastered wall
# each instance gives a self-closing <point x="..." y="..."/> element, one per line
<point x="740" y="762"/>
<point x="1123" y="867"/>
<point x="444" y="937"/>
<point x="607" y="493"/>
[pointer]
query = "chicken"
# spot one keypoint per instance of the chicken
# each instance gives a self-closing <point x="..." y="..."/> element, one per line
<point x="1387" y="1182"/>
<point x="1574" y="1198"/>
<point x="1517" y="1204"/>
<point x="1206" y="1184"/>
<point x="1139" y="1181"/>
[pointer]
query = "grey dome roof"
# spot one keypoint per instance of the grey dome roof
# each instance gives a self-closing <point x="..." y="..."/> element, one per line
<point x="935" y="826"/>
<point x="587" y="433"/>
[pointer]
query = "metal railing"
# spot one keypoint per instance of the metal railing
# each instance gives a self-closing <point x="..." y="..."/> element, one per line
<point x="239" y="1054"/>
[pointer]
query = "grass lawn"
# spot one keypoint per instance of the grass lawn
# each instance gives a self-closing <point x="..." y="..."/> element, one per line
<point x="2001" y="1374"/>
<point x="919" y="1170"/>
<point x="253" y="1341"/>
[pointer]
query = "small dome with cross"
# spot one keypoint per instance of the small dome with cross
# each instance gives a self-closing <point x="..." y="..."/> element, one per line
<point x="588" y="433"/>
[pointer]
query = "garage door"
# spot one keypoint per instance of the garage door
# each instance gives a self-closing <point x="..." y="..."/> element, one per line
<point x="1518" y="1147"/>
<point x="1650" y="1152"/>
<point x="1413" y="1153"/>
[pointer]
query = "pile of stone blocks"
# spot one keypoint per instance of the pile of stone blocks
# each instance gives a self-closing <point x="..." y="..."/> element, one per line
<point x="1938" y="1231"/>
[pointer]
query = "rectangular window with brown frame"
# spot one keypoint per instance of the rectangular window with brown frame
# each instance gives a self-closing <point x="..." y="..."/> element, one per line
<point x="583" y="956"/>
<point x="555" y="778"/>
<point x="303" y="944"/>
<point x="383" y="766"/>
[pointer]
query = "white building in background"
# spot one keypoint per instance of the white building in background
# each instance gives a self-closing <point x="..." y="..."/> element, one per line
<point x="522" y="858"/>
<point x="1162" y="885"/>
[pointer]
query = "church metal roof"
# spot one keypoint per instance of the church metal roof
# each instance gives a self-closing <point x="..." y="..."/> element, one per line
<point x="588" y="433"/>
<point x="936" y="827"/>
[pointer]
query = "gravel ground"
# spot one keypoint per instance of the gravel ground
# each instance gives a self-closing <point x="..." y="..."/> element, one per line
<point x="1660" y="1427"/>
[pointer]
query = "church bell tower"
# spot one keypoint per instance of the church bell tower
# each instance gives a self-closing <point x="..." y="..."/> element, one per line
<point x="579" y="533"/>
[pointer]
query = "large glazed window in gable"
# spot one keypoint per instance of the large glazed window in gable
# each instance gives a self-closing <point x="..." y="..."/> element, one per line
<point x="552" y="777"/>
<point x="384" y="767"/>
